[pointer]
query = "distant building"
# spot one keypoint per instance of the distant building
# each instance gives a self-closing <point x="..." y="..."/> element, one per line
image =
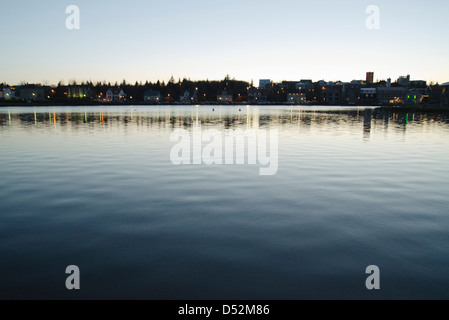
<point x="296" y="98"/>
<point x="404" y="81"/>
<point x="7" y="93"/>
<point x="445" y="95"/>
<point x="391" y="95"/>
<point x="115" y="95"/>
<point x="256" y="96"/>
<point x="434" y="94"/>
<point x="308" y="88"/>
<point x="188" y="96"/>
<point x="304" y="85"/>
<point x="78" y="92"/>
<point x="152" y="96"/>
<point x="224" y="96"/>
<point x="332" y="94"/>
<point x="31" y="93"/>
<point x="414" y="97"/>
<point x="288" y="84"/>
<point x="351" y="93"/>
<point x="264" y="84"/>
<point x="418" y="84"/>
<point x="359" y="82"/>
<point x="368" y="96"/>
<point x="370" y="77"/>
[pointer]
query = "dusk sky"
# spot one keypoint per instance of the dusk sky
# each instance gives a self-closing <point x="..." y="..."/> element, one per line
<point x="140" y="40"/>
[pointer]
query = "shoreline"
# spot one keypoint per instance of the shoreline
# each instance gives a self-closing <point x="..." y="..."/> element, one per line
<point x="421" y="107"/>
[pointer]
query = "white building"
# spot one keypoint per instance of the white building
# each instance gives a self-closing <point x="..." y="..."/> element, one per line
<point x="115" y="95"/>
<point x="7" y="93"/>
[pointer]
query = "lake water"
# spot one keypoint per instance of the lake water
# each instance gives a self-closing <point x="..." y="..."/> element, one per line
<point x="95" y="187"/>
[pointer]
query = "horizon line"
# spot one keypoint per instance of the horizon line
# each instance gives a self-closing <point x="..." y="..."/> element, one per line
<point x="127" y="82"/>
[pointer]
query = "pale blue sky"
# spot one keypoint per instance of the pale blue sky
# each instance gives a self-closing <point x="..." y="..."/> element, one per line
<point x="249" y="39"/>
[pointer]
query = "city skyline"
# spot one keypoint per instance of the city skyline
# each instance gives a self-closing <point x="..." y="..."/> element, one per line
<point x="289" y="40"/>
<point x="365" y="80"/>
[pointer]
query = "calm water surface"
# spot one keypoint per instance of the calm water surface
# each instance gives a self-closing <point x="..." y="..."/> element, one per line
<point x="95" y="187"/>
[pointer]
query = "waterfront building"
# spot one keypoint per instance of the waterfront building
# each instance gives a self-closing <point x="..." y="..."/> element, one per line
<point x="296" y="98"/>
<point x="368" y="96"/>
<point x="152" y="96"/>
<point x="31" y="93"/>
<point x="434" y="94"/>
<point x="224" y="96"/>
<point x="445" y="94"/>
<point x="78" y="92"/>
<point x="391" y="95"/>
<point x="351" y="93"/>
<point x="414" y="96"/>
<point x="115" y="95"/>
<point x="7" y="93"/>
<point x="188" y="96"/>
<point x="332" y="94"/>
<point x="256" y="96"/>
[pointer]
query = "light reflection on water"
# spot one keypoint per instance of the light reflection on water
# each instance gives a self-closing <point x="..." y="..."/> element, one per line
<point x="95" y="187"/>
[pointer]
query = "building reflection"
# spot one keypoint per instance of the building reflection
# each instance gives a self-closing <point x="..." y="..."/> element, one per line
<point x="367" y="119"/>
<point x="225" y="118"/>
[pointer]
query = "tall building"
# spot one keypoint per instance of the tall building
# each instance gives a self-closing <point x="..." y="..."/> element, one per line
<point x="264" y="83"/>
<point x="370" y="77"/>
<point x="404" y="81"/>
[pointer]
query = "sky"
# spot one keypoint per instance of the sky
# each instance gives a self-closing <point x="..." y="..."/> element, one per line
<point x="140" y="40"/>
